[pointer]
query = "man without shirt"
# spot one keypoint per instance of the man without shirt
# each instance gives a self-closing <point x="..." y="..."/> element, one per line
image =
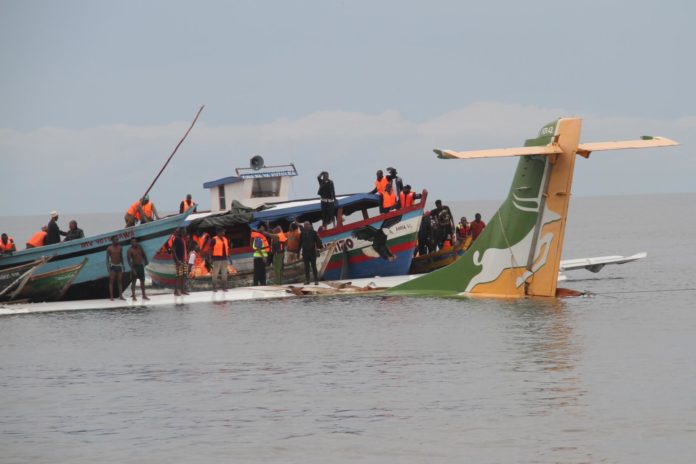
<point x="114" y="265"/>
<point x="137" y="262"/>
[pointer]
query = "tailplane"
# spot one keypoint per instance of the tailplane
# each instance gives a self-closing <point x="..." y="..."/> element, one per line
<point x="519" y="251"/>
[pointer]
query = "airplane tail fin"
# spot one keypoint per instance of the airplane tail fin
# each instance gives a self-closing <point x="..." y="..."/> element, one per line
<point x="519" y="251"/>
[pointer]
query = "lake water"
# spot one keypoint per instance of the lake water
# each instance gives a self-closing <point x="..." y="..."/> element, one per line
<point x="606" y="378"/>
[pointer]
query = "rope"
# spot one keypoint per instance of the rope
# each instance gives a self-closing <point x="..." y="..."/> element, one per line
<point x="513" y="261"/>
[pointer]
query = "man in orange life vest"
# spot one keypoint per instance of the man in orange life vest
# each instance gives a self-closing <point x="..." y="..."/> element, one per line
<point x="406" y="197"/>
<point x="380" y="183"/>
<point x="142" y="210"/>
<point x="38" y="239"/>
<point x="219" y="254"/>
<point x="7" y="245"/>
<point x="186" y="204"/>
<point x="388" y="200"/>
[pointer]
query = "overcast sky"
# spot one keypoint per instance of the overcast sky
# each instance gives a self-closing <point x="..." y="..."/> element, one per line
<point x="94" y="95"/>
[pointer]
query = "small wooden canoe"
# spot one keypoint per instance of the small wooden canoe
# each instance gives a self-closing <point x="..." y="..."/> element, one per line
<point x="51" y="286"/>
<point x="437" y="259"/>
<point x="13" y="280"/>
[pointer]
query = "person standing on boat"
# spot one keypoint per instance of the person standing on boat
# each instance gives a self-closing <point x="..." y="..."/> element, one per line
<point x="219" y="255"/>
<point x="114" y="265"/>
<point x="74" y="232"/>
<point x="186" y="204"/>
<point x="425" y="235"/>
<point x="309" y="244"/>
<point x="380" y="183"/>
<point x="328" y="198"/>
<point x="259" y="246"/>
<point x="445" y="222"/>
<point x="180" y="261"/>
<point x="393" y="178"/>
<point x="388" y="200"/>
<point x="137" y="262"/>
<point x="407" y="197"/>
<point x="463" y="230"/>
<point x="38" y="239"/>
<point x="142" y="210"/>
<point x="292" y="252"/>
<point x="7" y="245"/>
<point x="53" y="231"/>
<point x="477" y="226"/>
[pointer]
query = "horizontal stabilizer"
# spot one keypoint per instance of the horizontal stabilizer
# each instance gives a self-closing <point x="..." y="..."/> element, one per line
<point x="596" y="264"/>
<point x="499" y="152"/>
<point x="585" y="149"/>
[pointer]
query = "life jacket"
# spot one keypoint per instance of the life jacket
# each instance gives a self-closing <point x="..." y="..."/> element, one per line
<point x="446" y="245"/>
<point x="7" y="246"/>
<point x="221" y="247"/>
<point x="259" y="247"/>
<point x="283" y="240"/>
<point x="203" y="242"/>
<point x="147" y="209"/>
<point x="293" y="241"/>
<point x="381" y="185"/>
<point x="264" y="240"/>
<point x="388" y="199"/>
<point x="406" y="200"/>
<point x="187" y="204"/>
<point x="463" y="231"/>
<point x="134" y="211"/>
<point x="37" y="240"/>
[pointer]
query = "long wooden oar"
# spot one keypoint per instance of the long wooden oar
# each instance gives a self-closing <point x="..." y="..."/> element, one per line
<point x="175" y="149"/>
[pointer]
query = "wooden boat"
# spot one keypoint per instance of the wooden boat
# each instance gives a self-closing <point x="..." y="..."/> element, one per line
<point x="92" y="280"/>
<point x="52" y="285"/>
<point x="437" y="259"/>
<point x="13" y="279"/>
<point x="381" y="245"/>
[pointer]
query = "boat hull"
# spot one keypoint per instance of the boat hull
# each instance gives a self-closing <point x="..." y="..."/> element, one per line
<point x="92" y="280"/>
<point x="437" y="259"/>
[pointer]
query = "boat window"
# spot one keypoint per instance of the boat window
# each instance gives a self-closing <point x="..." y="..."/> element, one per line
<point x="221" y="195"/>
<point x="266" y="187"/>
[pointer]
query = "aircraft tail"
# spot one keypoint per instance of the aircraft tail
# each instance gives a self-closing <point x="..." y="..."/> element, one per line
<point x="519" y="251"/>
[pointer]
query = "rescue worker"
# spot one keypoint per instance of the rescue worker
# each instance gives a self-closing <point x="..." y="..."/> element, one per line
<point x="74" y="232"/>
<point x="388" y="200"/>
<point x="219" y="256"/>
<point x="53" y="231"/>
<point x="142" y="210"/>
<point x="292" y="251"/>
<point x="328" y="198"/>
<point x="380" y="183"/>
<point x="180" y="261"/>
<point x="407" y="197"/>
<point x="38" y="239"/>
<point x="477" y="226"/>
<point x="279" y="243"/>
<point x="186" y="204"/>
<point x="7" y="245"/>
<point x="309" y="244"/>
<point x="259" y="245"/>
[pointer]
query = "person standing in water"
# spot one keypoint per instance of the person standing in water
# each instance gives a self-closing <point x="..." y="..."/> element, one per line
<point x="114" y="265"/>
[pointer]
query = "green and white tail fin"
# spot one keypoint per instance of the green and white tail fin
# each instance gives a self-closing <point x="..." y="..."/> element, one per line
<point x="519" y="251"/>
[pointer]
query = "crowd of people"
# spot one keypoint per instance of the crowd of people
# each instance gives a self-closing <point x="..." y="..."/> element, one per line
<point x="438" y="231"/>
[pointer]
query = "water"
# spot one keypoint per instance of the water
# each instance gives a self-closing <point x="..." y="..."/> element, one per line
<point x="609" y="378"/>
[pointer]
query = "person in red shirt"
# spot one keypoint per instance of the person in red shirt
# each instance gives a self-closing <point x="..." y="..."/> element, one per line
<point x="477" y="226"/>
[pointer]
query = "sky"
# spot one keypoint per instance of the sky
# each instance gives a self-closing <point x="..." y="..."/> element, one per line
<point x="94" y="95"/>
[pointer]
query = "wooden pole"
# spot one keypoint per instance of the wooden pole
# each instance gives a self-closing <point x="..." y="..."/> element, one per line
<point x="175" y="149"/>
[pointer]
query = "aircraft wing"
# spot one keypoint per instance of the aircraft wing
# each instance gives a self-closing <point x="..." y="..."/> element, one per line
<point x="584" y="149"/>
<point x="499" y="152"/>
<point x="596" y="264"/>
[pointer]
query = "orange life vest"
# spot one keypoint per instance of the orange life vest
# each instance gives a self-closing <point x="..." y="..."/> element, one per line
<point x="282" y="239"/>
<point x="147" y="209"/>
<point x="446" y="245"/>
<point x="203" y="242"/>
<point x="293" y="239"/>
<point x="263" y="238"/>
<point x="388" y="199"/>
<point x="381" y="185"/>
<point x="406" y="200"/>
<point x="7" y="246"/>
<point x="221" y="247"/>
<point x="37" y="240"/>
<point x="133" y="210"/>
<point x="187" y="204"/>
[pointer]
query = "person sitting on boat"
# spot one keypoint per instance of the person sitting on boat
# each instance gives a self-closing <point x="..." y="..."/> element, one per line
<point x="186" y="204"/>
<point x="53" y="231"/>
<point x="328" y="198"/>
<point x="407" y="197"/>
<point x="74" y="232"/>
<point x="463" y="230"/>
<point x="7" y="245"/>
<point x="142" y="210"/>
<point x="309" y="244"/>
<point x="477" y="227"/>
<point x="38" y="239"/>
<point x="380" y="183"/>
<point x="388" y="200"/>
